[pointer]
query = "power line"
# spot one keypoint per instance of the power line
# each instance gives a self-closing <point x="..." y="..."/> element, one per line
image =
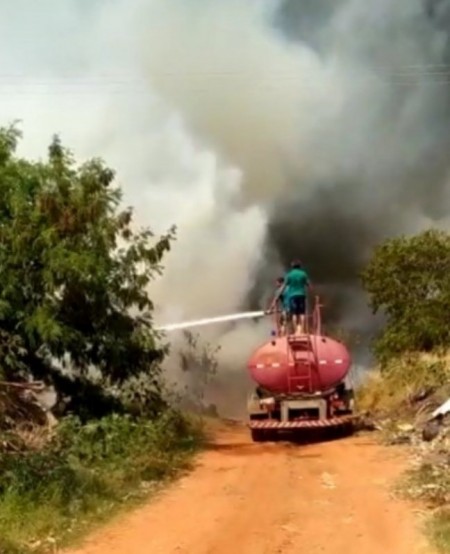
<point x="5" y="91"/>
<point x="431" y="74"/>
<point x="424" y="69"/>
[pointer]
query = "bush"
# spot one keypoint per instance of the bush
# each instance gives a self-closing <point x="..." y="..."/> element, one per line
<point x="75" y="313"/>
<point x="75" y="273"/>
<point x="408" y="279"/>
<point x="87" y="470"/>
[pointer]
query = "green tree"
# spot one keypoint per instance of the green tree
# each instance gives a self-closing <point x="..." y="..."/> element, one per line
<point x="408" y="279"/>
<point x="74" y="273"/>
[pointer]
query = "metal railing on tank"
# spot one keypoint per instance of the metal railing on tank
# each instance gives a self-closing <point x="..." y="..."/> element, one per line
<point x="313" y="320"/>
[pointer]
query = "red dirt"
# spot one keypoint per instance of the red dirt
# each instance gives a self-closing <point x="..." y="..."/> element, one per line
<point x="245" y="498"/>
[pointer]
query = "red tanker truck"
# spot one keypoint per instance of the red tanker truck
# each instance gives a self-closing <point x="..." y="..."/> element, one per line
<point x="301" y="382"/>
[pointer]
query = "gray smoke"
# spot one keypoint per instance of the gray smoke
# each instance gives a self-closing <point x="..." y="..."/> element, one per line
<point x="338" y="114"/>
<point x="384" y="158"/>
<point x="264" y="129"/>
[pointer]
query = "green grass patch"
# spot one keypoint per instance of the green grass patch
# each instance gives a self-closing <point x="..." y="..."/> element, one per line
<point x="85" y="474"/>
<point x="438" y="528"/>
<point x="429" y="483"/>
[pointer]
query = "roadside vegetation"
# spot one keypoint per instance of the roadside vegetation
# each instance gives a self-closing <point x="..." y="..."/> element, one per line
<point x="85" y="473"/>
<point x="408" y="280"/>
<point x="76" y="318"/>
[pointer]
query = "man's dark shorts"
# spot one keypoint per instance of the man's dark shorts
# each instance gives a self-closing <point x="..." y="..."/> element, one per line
<point x="297" y="305"/>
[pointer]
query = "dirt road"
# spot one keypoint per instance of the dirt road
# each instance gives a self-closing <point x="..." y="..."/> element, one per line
<point x="244" y="498"/>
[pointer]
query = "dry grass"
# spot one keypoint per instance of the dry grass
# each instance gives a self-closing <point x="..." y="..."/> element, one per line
<point x="24" y="425"/>
<point x="404" y="382"/>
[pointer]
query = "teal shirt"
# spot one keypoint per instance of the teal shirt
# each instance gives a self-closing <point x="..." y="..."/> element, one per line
<point x="296" y="281"/>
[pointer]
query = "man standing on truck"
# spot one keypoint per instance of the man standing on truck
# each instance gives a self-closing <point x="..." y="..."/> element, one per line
<point x="293" y="292"/>
<point x="297" y="283"/>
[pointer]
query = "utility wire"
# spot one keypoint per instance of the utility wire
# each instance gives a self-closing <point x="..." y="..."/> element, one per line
<point x="23" y="84"/>
<point x="406" y="70"/>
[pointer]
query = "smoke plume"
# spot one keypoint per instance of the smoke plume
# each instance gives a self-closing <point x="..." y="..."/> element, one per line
<point x="337" y="115"/>
<point x="264" y="129"/>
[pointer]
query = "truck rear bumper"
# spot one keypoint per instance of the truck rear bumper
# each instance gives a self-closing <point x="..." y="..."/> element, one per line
<point x="301" y="424"/>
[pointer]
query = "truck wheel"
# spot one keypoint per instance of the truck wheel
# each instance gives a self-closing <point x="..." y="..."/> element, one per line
<point x="258" y="435"/>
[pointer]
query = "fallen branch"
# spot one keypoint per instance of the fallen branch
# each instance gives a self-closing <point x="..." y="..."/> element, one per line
<point x="33" y="385"/>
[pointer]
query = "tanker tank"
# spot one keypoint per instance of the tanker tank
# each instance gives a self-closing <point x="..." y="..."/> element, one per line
<point x="313" y="363"/>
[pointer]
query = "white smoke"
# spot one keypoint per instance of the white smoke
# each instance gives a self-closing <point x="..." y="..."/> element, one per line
<point x="82" y="72"/>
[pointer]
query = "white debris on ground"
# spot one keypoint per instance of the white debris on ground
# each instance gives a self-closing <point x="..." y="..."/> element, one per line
<point x="442" y="410"/>
<point x="428" y="439"/>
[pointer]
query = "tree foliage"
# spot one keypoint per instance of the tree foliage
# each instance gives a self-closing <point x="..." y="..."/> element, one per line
<point x="408" y="279"/>
<point x="74" y="272"/>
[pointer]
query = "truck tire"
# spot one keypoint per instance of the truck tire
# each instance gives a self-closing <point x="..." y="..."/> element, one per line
<point x="258" y="435"/>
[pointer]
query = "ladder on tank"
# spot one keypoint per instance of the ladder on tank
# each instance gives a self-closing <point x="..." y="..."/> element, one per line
<point x="304" y="355"/>
<point x="301" y="363"/>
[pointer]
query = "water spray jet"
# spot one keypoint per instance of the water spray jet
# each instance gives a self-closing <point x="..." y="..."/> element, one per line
<point x="211" y="320"/>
